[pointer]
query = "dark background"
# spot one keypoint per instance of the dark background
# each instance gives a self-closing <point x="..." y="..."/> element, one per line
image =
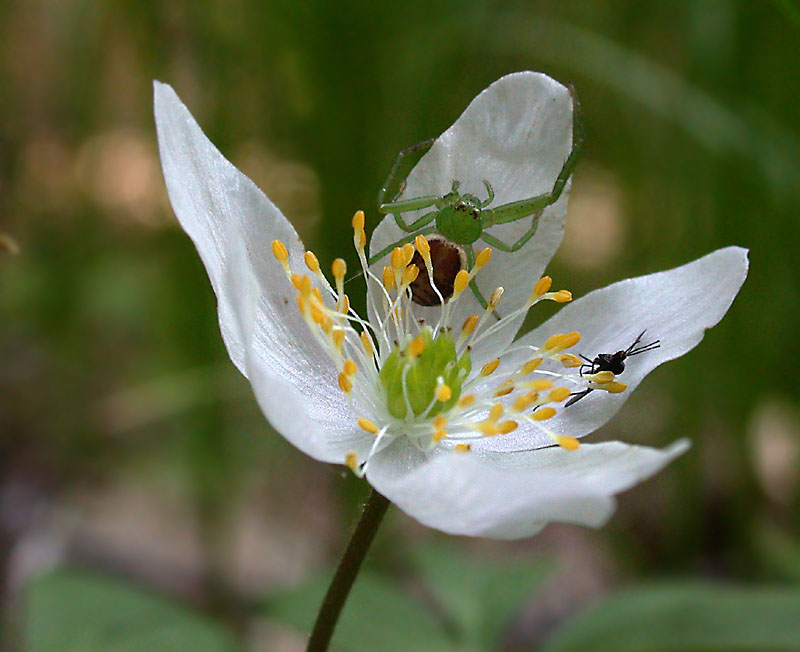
<point x="129" y="445"/>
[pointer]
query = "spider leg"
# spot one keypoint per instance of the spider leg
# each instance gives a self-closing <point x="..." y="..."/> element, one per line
<point x="518" y="244"/>
<point x="403" y="163"/>
<point x="490" y="192"/>
<point x="387" y="250"/>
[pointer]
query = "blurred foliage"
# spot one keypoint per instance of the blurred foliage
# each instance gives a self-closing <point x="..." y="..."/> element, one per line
<point x="115" y="386"/>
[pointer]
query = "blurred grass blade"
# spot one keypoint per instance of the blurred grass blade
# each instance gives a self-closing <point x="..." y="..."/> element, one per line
<point x="689" y="617"/>
<point x="377" y="616"/>
<point x="73" y="611"/>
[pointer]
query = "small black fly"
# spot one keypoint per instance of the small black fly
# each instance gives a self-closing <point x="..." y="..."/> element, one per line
<point x="613" y="362"/>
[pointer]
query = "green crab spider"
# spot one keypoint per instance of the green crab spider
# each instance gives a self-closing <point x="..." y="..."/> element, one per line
<point x="463" y="218"/>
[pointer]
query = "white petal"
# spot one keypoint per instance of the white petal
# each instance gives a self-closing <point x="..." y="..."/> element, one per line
<point x="675" y="307"/>
<point x="233" y="224"/>
<point x="516" y="134"/>
<point x="509" y="496"/>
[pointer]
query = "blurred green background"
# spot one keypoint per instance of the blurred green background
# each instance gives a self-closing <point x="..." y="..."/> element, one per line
<point x="133" y="453"/>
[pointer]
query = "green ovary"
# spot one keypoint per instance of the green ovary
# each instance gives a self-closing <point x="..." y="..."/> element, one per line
<point x="438" y="359"/>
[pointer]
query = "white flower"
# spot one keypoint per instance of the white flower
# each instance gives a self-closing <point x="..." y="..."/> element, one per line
<point x="456" y="425"/>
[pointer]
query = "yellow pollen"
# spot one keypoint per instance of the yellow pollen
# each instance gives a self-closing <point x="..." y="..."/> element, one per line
<point x="562" y="296"/>
<point x="440" y="434"/>
<point x="408" y="253"/>
<point x="362" y="239"/>
<point x="444" y="394"/>
<point x="368" y="425"/>
<point x="423" y="247"/>
<point x="603" y="377"/>
<point x="388" y="278"/>
<point x="530" y="366"/>
<point x="542" y="286"/>
<point x="568" y="443"/>
<point x="344" y="304"/>
<point x="345" y="384"/>
<point x="570" y="361"/>
<point x="439" y="422"/>
<point x="461" y="282"/>
<point x="339" y="268"/>
<point x="541" y="384"/>
<point x="350" y="367"/>
<point x="507" y="427"/>
<point x="416" y="347"/>
<point x="312" y="262"/>
<point x="338" y="338"/>
<point x="615" y="388"/>
<point x="559" y="394"/>
<point x="302" y="283"/>
<point x="544" y="414"/>
<point x="482" y="258"/>
<point x="397" y="259"/>
<point x="366" y="342"/>
<point x="410" y="274"/>
<point x="469" y="325"/>
<point x="463" y="448"/>
<point x="525" y="401"/>
<point x="495" y="297"/>
<point x="489" y="428"/>
<point x="358" y="221"/>
<point x="496" y="411"/>
<point x="280" y="252"/>
<point x="561" y="341"/>
<point x="490" y="367"/>
<point x="351" y="460"/>
<point x="466" y="400"/>
<point x="504" y="388"/>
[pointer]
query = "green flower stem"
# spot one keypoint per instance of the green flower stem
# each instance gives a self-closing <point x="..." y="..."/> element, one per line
<point x="345" y="576"/>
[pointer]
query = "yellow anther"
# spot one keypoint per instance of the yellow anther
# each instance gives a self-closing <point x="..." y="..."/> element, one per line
<point x="338" y="338"/>
<point x="544" y="414"/>
<point x="602" y="377"/>
<point x="368" y="425"/>
<point x="416" y="347"/>
<point x="507" y="427"/>
<point x="562" y="296"/>
<point x="351" y="460"/>
<point x="339" y="268"/>
<point x="461" y="281"/>
<point x="345" y="384"/>
<point x="408" y="253"/>
<point x="463" y="448"/>
<point x="523" y="402"/>
<point x="490" y="367"/>
<point x="496" y="411"/>
<point x="410" y="274"/>
<point x="559" y="394"/>
<point x="542" y="286"/>
<point x="280" y="252"/>
<point x="423" y="247"/>
<point x="302" y="283"/>
<point x="388" y="278"/>
<point x="366" y="342"/>
<point x="466" y="401"/>
<point x="317" y="294"/>
<point x="440" y="421"/>
<point x="567" y="442"/>
<point x="570" y="361"/>
<point x="561" y="341"/>
<point x="350" y="367"/>
<point x="358" y="221"/>
<point x="504" y="388"/>
<point x="344" y="304"/>
<point x="615" y="388"/>
<point x="311" y="262"/>
<point x="469" y="325"/>
<point x="494" y="298"/>
<point x="489" y="428"/>
<point x="483" y="258"/>
<point x="530" y="366"/>
<point x="397" y="259"/>
<point x="439" y="435"/>
<point x="444" y="393"/>
<point x="362" y="239"/>
<point x="541" y="384"/>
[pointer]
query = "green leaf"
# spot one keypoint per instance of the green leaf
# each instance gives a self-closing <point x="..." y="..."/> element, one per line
<point x="377" y="616"/>
<point x="74" y="611"/>
<point x="482" y="596"/>
<point x="686" y="617"/>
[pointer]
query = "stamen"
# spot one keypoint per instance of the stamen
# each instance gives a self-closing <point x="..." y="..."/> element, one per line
<point x="601" y="377"/>
<point x="507" y="427"/>
<point x="351" y="460"/>
<point x="489" y="367"/>
<point x="368" y="425"/>
<point x="530" y="366"/>
<point x="544" y="414"/>
<point x="496" y="411"/>
<point x="366" y="342"/>
<point x="388" y="278"/>
<point x="460" y="283"/>
<point x="568" y="360"/>
<point x="444" y="393"/>
<point x="482" y="258"/>
<point x="350" y="368"/>
<point x="345" y="384"/>
<point x="614" y="388"/>
<point x="567" y="442"/>
<point x="559" y="394"/>
<point x="463" y="448"/>
<point x="282" y="254"/>
<point x="467" y="400"/>
<point x="312" y="262"/>
<point x="504" y="388"/>
<point x="542" y="286"/>
<point x="416" y="347"/>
